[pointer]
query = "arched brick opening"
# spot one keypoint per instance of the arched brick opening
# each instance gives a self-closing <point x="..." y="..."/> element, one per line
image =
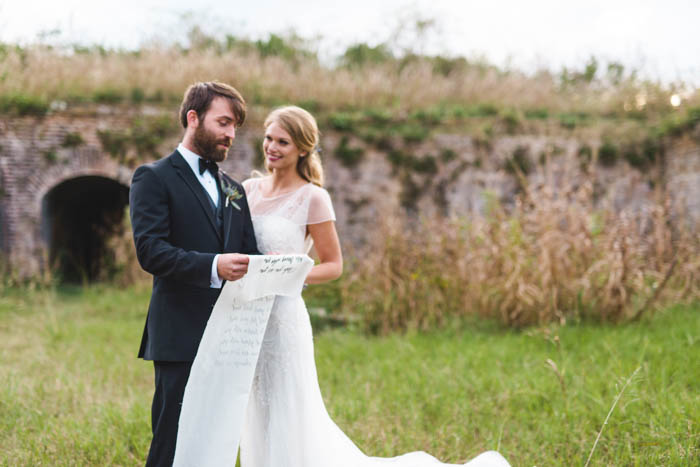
<point x="78" y="217"/>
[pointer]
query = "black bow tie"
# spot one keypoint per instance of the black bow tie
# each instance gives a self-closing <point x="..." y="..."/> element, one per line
<point x="211" y="166"/>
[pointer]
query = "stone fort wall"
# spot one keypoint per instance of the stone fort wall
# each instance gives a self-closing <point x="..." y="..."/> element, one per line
<point x="39" y="153"/>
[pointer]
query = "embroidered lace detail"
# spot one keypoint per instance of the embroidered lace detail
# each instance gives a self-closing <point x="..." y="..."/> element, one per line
<point x="276" y="235"/>
<point x="308" y="204"/>
<point x="288" y="328"/>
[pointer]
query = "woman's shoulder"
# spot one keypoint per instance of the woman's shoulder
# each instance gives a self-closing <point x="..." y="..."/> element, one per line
<point x="252" y="183"/>
<point x="320" y="205"/>
<point x="316" y="194"/>
<point x="316" y="190"/>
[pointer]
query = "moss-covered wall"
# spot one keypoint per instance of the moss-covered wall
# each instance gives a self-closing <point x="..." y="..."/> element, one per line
<point x="377" y="164"/>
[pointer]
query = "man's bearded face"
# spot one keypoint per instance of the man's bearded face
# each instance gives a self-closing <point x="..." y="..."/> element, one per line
<point x="209" y="144"/>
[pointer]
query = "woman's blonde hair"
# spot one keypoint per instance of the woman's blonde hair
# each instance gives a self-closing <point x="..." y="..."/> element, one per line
<point x="302" y="128"/>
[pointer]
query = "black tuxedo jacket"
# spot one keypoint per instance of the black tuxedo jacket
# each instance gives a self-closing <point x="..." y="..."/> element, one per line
<point x="176" y="239"/>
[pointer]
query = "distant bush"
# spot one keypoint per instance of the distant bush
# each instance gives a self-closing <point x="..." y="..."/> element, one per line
<point x="585" y="156"/>
<point x="426" y="164"/>
<point x="446" y="66"/>
<point x="377" y="116"/>
<point x="348" y="156"/>
<point x="587" y="75"/>
<point x="312" y="105"/>
<point x="447" y="155"/>
<point x="398" y="158"/>
<point x="363" y="54"/>
<point x="412" y="132"/>
<point x="114" y="142"/>
<point x="342" y="121"/>
<point x="23" y="104"/>
<point x="642" y="154"/>
<point x="676" y="124"/>
<point x="429" y="116"/>
<point x="537" y="114"/>
<point x="108" y="96"/>
<point x="277" y="46"/>
<point x="479" y="110"/>
<point x="608" y="154"/>
<point x="410" y="163"/>
<point x="371" y="135"/>
<point x="147" y="133"/>
<point x="571" y="120"/>
<point x="50" y="156"/>
<point x="512" y="119"/>
<point x="137" y="95"/>
<point x="140" y="141"/>
<point x="71" y="140"/>
<point x="519" y="161"/>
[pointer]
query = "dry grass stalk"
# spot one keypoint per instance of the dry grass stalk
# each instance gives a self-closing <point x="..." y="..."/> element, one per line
<point x="168" y="70"/>
<point x="553" y="366"/>
<point x="554" y="255"/>
<point x="617" y="399"/>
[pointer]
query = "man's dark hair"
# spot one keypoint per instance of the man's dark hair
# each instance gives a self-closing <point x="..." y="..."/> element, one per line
<point x="198" y="97"/>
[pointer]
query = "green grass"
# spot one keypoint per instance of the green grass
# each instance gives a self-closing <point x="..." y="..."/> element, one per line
<point x="73" y="393"/>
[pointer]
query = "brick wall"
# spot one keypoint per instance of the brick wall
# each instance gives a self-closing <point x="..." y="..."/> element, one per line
<point x="34" y="159"/>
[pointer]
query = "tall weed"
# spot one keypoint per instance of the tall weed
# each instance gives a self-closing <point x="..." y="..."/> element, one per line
<point x="271" y="77"/>
<point x="555" y="255"/>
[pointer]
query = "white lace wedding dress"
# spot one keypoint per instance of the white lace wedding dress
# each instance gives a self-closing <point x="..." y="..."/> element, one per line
<point x="286" y="423"/>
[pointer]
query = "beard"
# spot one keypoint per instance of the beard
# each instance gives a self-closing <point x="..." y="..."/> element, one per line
<point x="207" y="144"/>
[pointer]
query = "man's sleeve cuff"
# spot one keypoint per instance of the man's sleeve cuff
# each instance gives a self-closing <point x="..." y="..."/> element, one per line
<point x="215" y="281"/>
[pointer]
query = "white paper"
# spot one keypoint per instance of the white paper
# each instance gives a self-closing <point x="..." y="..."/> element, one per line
<point x="216" y="395"/>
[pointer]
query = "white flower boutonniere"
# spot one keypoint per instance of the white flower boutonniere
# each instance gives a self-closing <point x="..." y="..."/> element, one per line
<point x="231" y="193"/>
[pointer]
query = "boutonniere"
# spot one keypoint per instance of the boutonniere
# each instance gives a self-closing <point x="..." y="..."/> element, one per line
<point x="231" y="193"/>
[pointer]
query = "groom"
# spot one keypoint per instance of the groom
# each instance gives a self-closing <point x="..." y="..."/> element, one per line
<point x="192" y="231"/>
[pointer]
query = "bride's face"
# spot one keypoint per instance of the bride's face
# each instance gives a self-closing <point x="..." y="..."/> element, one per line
<point x="279" y="148"/>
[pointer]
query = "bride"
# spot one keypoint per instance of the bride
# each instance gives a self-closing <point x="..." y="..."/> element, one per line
<point x="286" y="423"/>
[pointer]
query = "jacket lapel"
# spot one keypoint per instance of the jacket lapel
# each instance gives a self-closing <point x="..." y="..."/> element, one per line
<point x="185" y="172"/>
<point x="227" y="211"/>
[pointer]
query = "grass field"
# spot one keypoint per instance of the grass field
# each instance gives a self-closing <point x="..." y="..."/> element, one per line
<point x="73" y="393"/>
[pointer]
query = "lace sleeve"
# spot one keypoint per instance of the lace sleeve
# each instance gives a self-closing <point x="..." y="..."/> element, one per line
<point x="320" y="207"/>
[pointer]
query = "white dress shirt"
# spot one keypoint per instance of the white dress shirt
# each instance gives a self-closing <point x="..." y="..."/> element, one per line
<point x="209" y="184"/>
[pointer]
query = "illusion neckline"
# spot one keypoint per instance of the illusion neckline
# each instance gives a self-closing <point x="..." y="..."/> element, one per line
<point x="280" y="194"/>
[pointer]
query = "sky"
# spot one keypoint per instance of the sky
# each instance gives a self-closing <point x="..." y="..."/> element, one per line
<point x="661" y="38"/>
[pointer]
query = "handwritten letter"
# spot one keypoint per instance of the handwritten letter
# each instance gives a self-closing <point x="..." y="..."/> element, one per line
<point x="216" y="395"/>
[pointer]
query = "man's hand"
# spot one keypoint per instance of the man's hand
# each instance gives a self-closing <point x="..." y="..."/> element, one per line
<point x="232" y="266"/>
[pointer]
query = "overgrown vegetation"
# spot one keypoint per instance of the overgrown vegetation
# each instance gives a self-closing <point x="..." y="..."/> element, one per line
<point x="71" y="140"/>
<point x="554" y="255"/>
<point x="22" y="104"/>
<point x="348" y="156"/>
<point x="389" y="95"/>
<point x="283" y="69"/>
<point x="519" y="162"/>
<point x="140" y="141"/>
<point x="395" y="100"/>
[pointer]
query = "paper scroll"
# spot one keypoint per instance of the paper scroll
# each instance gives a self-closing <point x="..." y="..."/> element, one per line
<point x="216" y="395"/>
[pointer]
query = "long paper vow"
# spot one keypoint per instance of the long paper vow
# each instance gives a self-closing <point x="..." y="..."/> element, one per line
<point x="216" y="395"/>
